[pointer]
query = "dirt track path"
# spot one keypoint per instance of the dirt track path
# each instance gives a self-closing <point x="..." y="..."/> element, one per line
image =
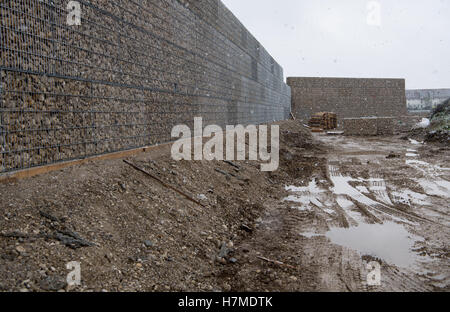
<point x="378" y="200"/>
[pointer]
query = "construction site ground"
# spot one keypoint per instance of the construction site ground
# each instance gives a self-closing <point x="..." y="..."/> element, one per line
<point x="335" y="205"/>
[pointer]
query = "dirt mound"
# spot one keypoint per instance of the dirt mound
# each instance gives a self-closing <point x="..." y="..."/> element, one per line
<point x="439" y="130"/>
<point x="128" y="231"/>
<point x="442" y="109"/>
<point x="442" y="137"/>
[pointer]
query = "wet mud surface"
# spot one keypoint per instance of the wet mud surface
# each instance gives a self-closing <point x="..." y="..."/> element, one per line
<point x="337" y="209"/>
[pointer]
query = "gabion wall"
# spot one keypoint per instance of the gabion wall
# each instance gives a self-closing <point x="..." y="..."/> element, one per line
<point x="122" y="79"/>
<point x="348" y="97"/>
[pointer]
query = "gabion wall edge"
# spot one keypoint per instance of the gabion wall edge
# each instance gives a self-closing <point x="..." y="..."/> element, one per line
<point x="123" y="78"/>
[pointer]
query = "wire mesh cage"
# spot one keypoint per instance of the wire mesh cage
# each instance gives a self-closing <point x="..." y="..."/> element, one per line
<point x="123" y="78"/>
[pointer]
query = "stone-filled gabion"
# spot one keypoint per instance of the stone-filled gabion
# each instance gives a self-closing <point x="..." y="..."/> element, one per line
<point x="348" y="97"/>
<point x="370" y="126"/>
<point x="360" y="126"/>
<point x="122" y="79"/>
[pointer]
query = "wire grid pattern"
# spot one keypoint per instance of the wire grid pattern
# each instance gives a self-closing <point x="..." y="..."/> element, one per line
<point x="125" y="77"/>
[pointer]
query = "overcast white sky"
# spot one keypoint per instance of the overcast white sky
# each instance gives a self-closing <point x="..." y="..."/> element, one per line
<point x="332" y="38"/>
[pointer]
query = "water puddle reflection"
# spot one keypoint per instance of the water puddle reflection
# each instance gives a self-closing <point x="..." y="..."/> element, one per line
<point x="388" y="241"/>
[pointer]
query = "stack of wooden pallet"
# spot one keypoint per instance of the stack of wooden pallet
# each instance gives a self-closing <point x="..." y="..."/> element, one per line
<point x="323" y="121"/>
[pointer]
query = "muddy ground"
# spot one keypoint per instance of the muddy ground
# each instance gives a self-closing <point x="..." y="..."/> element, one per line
<point x="335" y="205"/>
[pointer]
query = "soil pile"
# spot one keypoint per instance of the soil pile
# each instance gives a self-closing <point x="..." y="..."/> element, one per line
<point x="439" y="130"/>
<point x="131" y="233"/>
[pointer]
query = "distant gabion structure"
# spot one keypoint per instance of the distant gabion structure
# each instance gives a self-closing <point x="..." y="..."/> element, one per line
<point x="348" y="97"/>
<point x="123" y="78"/>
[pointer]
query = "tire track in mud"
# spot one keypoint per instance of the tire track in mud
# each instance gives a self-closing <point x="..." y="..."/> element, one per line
<point x="378" y="186"/>
<point x="337" y="267"/>
<point x="432" y="182"/>
<point x="371" y="218"/>
<point x="346" y="270"/>
<point x="396" y="280"/>
<point x="342" y="187"/>
<point x="385" y="206"/>
<point x="300" y="226"/>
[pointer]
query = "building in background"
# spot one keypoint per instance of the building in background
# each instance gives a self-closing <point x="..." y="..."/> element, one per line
<point x="425" y="100"/>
